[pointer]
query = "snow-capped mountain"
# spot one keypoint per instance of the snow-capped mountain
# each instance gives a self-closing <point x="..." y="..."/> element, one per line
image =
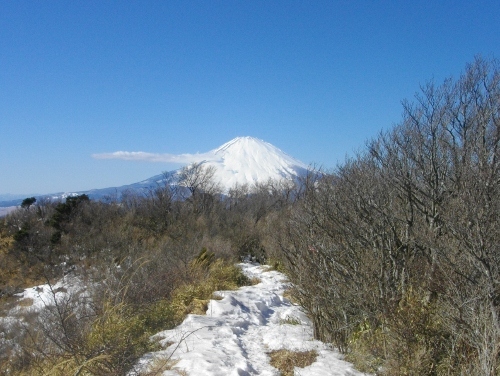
<point x="248" y="160"/>
<point x="243" y="160"/>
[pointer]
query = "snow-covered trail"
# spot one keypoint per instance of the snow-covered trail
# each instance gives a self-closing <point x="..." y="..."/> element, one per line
<point x="238" y="331"/>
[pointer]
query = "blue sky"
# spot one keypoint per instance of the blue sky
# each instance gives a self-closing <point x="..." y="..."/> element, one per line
<point x="316" y="79"/>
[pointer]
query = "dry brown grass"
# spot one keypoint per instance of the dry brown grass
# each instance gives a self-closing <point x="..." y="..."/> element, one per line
<point x="216" y="276"/>
<point x="290" y="295"/>
<point x="286" y="360"/>
<point x="159" y="365"/>
<point x="254" y="281"/>
<point x="27" y="302"/>
<point x="5" y="242"/>
<point x="290" y="320"/>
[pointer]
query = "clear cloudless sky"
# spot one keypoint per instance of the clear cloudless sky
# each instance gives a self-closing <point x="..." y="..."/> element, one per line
<point x="314" y="78"/>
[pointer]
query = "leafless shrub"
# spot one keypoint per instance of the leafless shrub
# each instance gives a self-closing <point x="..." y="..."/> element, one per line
<point x="408" y="232"/>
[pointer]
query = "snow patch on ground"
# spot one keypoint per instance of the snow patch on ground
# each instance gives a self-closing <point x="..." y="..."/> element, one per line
<point x="238" y="331"/>
<point x="31" y="303"/>
<point x="46" y="295"/>
<point x="34" y="300"/>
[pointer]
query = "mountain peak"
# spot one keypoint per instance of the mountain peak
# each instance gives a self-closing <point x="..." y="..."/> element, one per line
<point x="243" y="143"/>
<point x="249" y="160"/>
<point x="240" y="142"/>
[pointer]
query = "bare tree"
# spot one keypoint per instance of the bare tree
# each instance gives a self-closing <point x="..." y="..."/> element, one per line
<point x="202" y="185"/>
<point x="413" y="220"/>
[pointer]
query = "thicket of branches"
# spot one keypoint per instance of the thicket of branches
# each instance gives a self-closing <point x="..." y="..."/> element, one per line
<point x="396" y="254"/>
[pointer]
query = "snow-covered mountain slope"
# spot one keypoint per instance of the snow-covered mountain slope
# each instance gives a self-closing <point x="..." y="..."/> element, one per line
<point x="248" y="160"/>
<point x="243" y="160"/>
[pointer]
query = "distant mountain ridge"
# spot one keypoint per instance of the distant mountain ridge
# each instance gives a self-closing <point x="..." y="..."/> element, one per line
<point x="243" y="160"/>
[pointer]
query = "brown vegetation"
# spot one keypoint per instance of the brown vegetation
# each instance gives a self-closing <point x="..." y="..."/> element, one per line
<point x="286" y="360"/>
<point x="395" y="254"/>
